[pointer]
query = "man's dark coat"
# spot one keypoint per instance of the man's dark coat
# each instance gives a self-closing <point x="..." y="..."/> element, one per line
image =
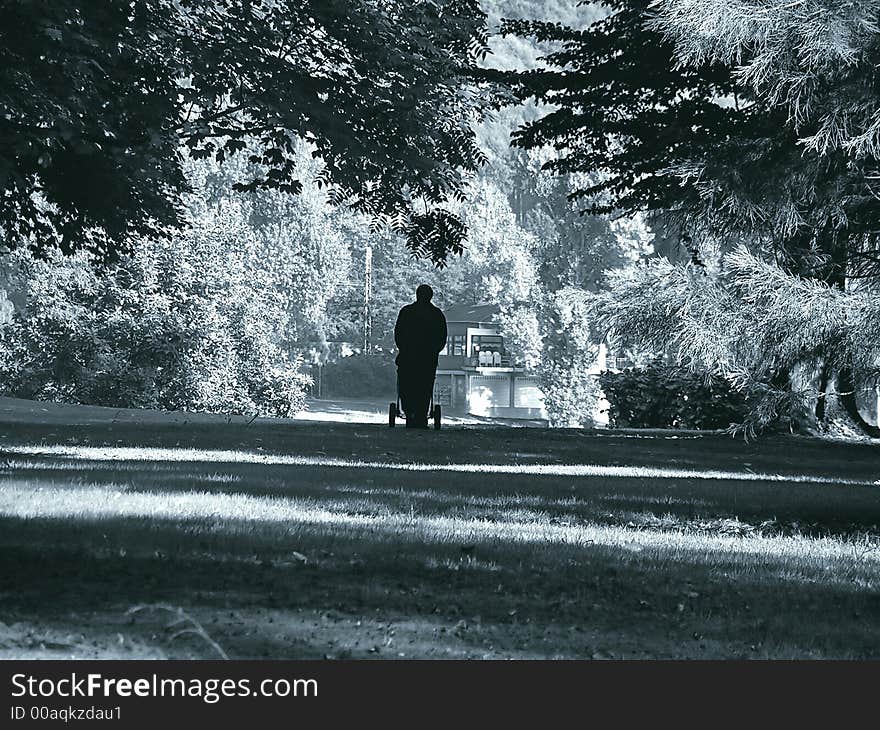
<point x="420" y="335"/>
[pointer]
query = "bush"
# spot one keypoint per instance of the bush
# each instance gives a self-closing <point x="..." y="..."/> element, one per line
<point x="179" y="325"/>
<point x="570" y="396"/>
<point x="666" y="396"/>
<point x="360" y="376"/>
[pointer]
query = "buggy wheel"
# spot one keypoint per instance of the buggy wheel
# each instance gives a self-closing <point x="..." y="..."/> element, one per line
<point x="392" y="414"/>
<point x="437" y="417"/>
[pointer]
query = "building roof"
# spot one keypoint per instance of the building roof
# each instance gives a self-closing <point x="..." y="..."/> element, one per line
<point x="472" y="313"/>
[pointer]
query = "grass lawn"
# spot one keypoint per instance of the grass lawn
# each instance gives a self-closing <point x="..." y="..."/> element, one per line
<point x="307" y="540"/>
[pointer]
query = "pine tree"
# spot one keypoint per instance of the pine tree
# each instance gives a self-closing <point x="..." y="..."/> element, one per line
<point x="737" y="123"/>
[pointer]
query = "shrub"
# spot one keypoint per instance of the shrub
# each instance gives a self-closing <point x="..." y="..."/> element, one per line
<point x="6" y="309"/>
<point x="570" y="396"/>
<point x="180" y="325"/>
<point x="666" y="396"/>
<point x="568" y="354"/>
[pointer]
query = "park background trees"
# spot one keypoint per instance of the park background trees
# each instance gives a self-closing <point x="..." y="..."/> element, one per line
<point x="303" y="190"/>
<point x="671" y="160"/>
<point x="126" y="128"/>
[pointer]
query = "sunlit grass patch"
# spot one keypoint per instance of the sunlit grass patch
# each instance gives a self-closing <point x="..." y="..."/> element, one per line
<point x="185" y="455"/>
<point x="679" y="541"/>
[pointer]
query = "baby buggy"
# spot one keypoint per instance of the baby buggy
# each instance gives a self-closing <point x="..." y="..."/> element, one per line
<point x="395" y="411"/>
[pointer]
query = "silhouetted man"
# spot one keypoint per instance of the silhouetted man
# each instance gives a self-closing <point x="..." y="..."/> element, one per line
<point x="420" y="334"/>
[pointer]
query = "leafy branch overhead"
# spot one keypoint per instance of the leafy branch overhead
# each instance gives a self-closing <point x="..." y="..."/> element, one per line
<point x="378" y="90"/>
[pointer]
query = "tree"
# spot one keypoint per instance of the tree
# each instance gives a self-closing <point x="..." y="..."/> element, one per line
<point x="816" y="62"/>
<point x="377" y="88"/>
<point x="190" y="323"/>
<point x="813" y="66"/>
<point x="748" y="323"/>
<point x="729" y="120"/>
<point x="722" y="154"/>
<point x="301" y="240"/>
<point x="530" y="253"/>
<point x="87" y="102"/>
<point x="619" y="107"/>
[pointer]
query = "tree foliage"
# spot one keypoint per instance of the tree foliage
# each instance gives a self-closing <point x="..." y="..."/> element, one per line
<point x="652" y="98"/>
<point x="568" y="356"/>
<point x="302" y="244"/>
<point x="620" y="107"/>
<point x="87" y="101"/>
<point x="813" y="57"/>
<point x="530" y="254"/>
<point x="191" y="323"/>
<point x="764" y="330"/>
<point x="813" y="65"/>
<point x="378" y="88"/>
<point x="744" y="123"/>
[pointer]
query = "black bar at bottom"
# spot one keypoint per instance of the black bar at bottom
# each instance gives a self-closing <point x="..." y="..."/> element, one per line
<point x="323" y="693"/>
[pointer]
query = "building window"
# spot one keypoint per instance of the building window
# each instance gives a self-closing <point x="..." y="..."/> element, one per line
<point x="455" y="346"/>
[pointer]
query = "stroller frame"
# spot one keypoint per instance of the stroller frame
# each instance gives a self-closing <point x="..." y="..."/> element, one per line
<point x="395" y="411"/>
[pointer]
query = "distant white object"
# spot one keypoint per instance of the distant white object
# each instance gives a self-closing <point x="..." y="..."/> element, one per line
<point x="496" y="358"/>
<point x="484" y="358"/>
<point x="601" y="363"/>
<point x="6" y="309"/>
<point x="480" y="401"/>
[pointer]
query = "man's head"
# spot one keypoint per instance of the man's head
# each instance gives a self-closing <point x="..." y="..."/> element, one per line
<point x="424" y="294"/>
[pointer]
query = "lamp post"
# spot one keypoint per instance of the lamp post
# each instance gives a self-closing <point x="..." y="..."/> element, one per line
<point x="368" y="290"/>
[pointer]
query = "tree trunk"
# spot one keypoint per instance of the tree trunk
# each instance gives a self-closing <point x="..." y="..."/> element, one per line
<point x="824" y="380"/>
<point x="836" y="243"/>
<point x="847" y="396"/>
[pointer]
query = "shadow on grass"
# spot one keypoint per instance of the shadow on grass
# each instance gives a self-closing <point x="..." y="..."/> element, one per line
<point x="300" y="560"/>
<point x="540" y="595"/>
<point x="780" y="454"/>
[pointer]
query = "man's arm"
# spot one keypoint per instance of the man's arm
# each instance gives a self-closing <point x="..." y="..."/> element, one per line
<point x="400" y="330"/>
<point x="441" y="333"/>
